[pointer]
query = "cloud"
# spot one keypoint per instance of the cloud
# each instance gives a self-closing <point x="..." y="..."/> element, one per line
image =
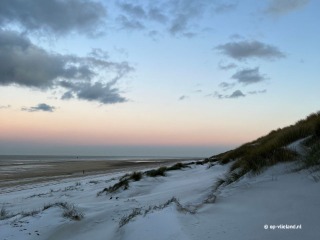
<point x="279" y="7"/>
<point x="178" y="18"/>
<point x="25" y="64"/>
<point x="250" y="49"/>
<point x="227" y="66"/>
<point x="5" y="106"/>
<point x="226" y="86"/>
<point x="184" y="14"/>
<point x="236" y="94"/>
<point x="225" y="6"/>
<point x="41" y="107"/>
<point x="155" y="14"/>
<point x="98" y="53"/>
<point x="249" y="76"/>
<point x="56" y="16"/>
<point x="130" y="24"/>
<point x="133" y="10"/>
<point x="183" y="97"/>
<point x="257" y="92"/>
<point x="104" y="93"/>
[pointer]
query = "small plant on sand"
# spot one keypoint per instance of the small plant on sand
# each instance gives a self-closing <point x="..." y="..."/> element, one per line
<point x="156" y="172"/>
<point x="136" y="176"/>
<point x="72" y="213"/>
<point x="3" y="213"/>
<point x="30" y="213"/>
<point x="126" y="219"/>
<point x="312" y="160"/>
<point x="69" y="210"/>
<point x="176" y="166"/>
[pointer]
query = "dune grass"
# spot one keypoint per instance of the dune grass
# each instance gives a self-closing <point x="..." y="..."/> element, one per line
<point x="69" y="210"/>
<point x="4" y="213"/>
<point x="125" y="180"/>
<point x="156" y="172"/>
<point x="255" y="156"/>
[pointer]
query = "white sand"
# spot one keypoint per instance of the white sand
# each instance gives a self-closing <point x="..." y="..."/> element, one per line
<point x="241" y="210"/>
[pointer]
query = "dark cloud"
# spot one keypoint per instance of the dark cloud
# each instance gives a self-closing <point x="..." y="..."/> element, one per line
<point x="24" y="64"/>
<point x="41" y="107"/>
<point x="236" y="94"/>
<point x="249" y="76"/>
<point x="279" y="7"/>
<point x="59" y="17"/>
<point x="227" y="66"/>
<point x="250" y="49"/>
<point x="104" y="93"/>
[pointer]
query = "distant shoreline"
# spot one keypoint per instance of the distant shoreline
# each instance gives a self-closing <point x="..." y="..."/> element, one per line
<point x="13" y="174"/>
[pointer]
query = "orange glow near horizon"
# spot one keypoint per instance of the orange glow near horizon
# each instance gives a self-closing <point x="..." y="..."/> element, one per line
<point x="109" y="130"/>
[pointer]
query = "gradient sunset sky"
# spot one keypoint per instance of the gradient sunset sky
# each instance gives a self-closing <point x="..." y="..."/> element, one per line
<point x="166" y="78"/>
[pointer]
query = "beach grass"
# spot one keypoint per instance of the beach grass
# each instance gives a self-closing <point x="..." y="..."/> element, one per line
<point x="256" y="156"/>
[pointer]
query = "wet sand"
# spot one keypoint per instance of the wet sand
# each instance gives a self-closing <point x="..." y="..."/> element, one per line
<point x="13" y="175"/>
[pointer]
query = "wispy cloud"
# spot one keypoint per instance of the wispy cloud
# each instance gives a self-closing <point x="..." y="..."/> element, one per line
<point x="257" y="92"/>
<point x="183" y="97"/>
<point x="250" y="49"/>
<point x="5" y="106"/>
<point x="280" y="7"/>
<point x="41" y="107"/>
<point x="227" y="66"/>
<point x="130" y="24"/>
<point x="133" y="10"/>
<point x="235" y="94"/>
<point x="226" y="86"/>
<point x="225" y="6"/>
<point x="178" y="18"/>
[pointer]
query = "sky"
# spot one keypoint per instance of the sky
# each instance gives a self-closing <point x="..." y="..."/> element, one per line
<point x="145" y="78"/>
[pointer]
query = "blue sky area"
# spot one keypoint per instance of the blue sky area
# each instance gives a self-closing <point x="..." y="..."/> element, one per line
<point x="181" y="78"/>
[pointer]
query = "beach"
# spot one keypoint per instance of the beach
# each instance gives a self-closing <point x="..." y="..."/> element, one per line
<point x="180" y="205"/>
<point x="17" y="172"/>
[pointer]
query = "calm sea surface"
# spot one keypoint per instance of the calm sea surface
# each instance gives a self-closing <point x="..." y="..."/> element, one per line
<point x="27" y="159"/>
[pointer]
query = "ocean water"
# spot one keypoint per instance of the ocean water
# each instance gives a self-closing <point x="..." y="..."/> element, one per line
<point x="28" y="159"/>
